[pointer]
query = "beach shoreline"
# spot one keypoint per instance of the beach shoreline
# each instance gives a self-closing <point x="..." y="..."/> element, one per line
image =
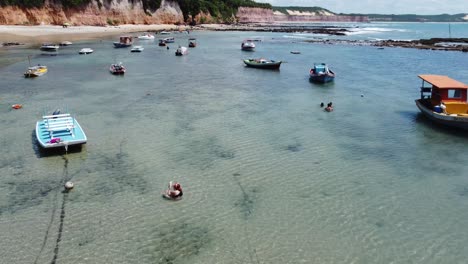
<point x="50" y="33"/>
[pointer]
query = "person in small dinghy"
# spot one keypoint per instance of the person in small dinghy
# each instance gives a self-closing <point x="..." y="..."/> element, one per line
<point x="174" y="191"/>
<point x="55" y="140"/>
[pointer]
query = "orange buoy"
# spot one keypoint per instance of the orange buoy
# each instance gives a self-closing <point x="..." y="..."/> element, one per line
<point x="16" y="106"/>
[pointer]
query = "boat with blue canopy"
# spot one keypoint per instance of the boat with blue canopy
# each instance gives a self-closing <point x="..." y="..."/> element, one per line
<point x="320" y="73"/>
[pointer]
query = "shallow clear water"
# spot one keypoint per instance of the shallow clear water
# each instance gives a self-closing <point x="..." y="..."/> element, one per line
<point x="268" y="176"/>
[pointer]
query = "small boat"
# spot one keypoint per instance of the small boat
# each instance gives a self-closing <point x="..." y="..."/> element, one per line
<point x="146" y="37"/>
<point x="165" y="33"/>
<point x="124" y="42"/>
<point x="444" y="101"/>
<point x="65" y="43"/>
<point x="295" y="52"/>
<point x="162" y="43"/>
<point x="320" y="73"/>
<point x="137" y="49"/>
<point x="59" y="130"/>
<point x="49" y="47"/>
<point x="36" y="71"/>
<point x="192" y="42"/>
<point x="248" y="45"/>
<point x="181" y="51"/>
<point x="174" y="191"/>
<point x="86" y="51"/>
<point x="169" y="40"/>
<point x="17" y="106"/>
<point x="263" y="63"/>
<point x="117" y="68"/>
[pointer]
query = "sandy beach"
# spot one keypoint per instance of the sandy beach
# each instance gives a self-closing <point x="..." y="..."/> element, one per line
<point x="48" y="33"/>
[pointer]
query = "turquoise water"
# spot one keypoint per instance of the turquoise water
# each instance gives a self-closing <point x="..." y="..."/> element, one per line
<point x="268" y="176"/>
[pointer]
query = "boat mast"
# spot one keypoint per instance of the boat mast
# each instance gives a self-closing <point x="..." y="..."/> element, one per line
<point x="29" y="59"/>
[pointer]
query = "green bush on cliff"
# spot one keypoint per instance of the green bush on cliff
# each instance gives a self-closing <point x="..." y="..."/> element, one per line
<point x="22" y="3"/>
<point x="221" y="9"/>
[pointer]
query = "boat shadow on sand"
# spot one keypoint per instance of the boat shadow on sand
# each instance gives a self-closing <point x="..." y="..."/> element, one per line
<point x="42" y="152"/>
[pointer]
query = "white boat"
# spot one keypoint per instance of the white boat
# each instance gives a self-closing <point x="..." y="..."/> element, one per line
<point x="181" y="51"/>
<point x="49" y="47"/>
<point x="169" y="40"/>
<point x="59" y="130"/>
<point x="165" y="33"/>
<point x="137" y="49"/>
<point x="248" y="45"/>
<point x="65" y="43"/>
<point x="86" y="51"/>
<point x="146" y="37"/>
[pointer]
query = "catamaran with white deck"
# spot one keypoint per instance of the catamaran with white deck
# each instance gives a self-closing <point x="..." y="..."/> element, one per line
<point x="59" y="130"/>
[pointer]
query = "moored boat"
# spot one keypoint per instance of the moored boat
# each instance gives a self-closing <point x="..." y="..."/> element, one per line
<point x="86" y="51"/>
<point x="162" y="43"/>
<point x="320" y="73"/>
<point x="169" y="40"/>
<point x="49" y="47"/>
<point x="36" y="71"/>
<point x="59" y="130"/>
<point x="165" y="33"/>
<point x="192" y="42"/>
<point x="137" y="49"/>
<point x="263" y="63"/>
<point x="117" y="69"/>
<point x="146" y="36"/>
<point x="124" y="42"/>
<point x="65" y="43"/>
<point x="444" y="101"/>
<point x="181" y="51"/>
<point x="248" y="45"/>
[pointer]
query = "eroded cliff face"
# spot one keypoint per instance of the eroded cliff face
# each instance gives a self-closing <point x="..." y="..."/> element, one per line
<point x="260" y="15"/>
<point x="95" y="14"/>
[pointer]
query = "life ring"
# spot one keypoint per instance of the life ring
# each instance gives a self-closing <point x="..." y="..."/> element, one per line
<point x="16" y="106"/>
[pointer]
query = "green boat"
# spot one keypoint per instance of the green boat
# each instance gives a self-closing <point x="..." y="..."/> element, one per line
<point x="263" y="64"/>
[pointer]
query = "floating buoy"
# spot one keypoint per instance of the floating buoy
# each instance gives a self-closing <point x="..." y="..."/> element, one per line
<point x="69" y="185"/>
<point x="16" y="106"/>
<point x="362" y="95"/>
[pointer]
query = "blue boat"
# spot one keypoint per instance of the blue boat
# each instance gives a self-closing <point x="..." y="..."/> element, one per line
<point x="59" y="130"/>
<point x="320" y="73"/>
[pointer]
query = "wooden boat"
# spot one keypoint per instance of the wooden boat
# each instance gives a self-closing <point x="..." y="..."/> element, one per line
<point x="320" y="73"/>
<point x="181" y="51"/>
<point x="263" y="64"/>
<point x="59" y="130"/>
<point x="192" y="42"/>
<point x="146" y="36"/>
<point x="124" y="42"/>
<point x="137" y="49"/>
<point x="162" y="43"/>
<point x="117" y="69"/>
<point x="295" y="52"/>
<point x="49" y="47"/>
<point x="248" y="45"/>
<point x="439" y="92"/>
<point x="86" y="51"/>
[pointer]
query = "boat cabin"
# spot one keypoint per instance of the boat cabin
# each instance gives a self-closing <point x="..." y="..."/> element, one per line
<point x="126" y="40"/>
<point x="437" y="89"/>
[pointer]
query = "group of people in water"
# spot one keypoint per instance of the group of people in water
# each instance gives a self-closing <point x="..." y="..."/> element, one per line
<point x="329" y="107"/>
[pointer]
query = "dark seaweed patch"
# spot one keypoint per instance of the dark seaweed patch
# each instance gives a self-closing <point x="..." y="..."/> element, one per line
<point x="118" y="174"/>
<point x="176" y="243"/>
<point x="23" y="195"/>
<point x="462" y="191"/>
<point x="294" y="147"/>
<point x="247" y="199"/>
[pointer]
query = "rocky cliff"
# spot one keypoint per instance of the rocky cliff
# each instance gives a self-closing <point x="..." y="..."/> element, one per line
<point x="260" y="15"/>
<point x="100" y="13"/>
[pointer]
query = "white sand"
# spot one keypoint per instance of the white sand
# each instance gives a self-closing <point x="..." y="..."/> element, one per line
<point x="56" y="33"/>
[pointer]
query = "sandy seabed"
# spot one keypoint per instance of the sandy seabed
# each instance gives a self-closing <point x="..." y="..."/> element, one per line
<point x="48" y="33"/>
